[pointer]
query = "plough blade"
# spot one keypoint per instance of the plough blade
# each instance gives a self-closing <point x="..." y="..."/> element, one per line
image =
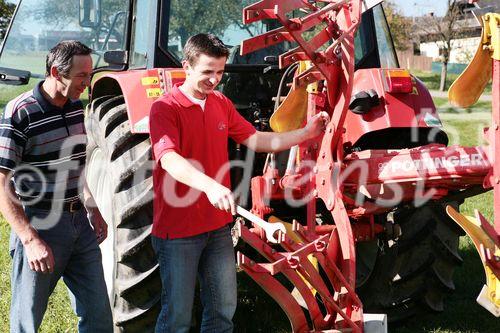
<point x="468" y="87"/>
<point x="487" y="244"/>
<point x="290" y="233"/>
<point x="291" y="113"/>
<point x="297" y="239"/>
<point x="299" y="264"/>
<point x="276" y="290"/>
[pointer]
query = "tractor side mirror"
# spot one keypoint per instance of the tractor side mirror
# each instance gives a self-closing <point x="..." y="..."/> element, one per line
<point x="14" y="76"/>
<point x="116" y="57"/>
<point x="90" y="13"/>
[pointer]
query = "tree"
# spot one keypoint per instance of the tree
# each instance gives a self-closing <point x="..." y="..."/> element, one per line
<point x="443" y="30"/>
<point x="6" y="11"/>
<point x="61" y="14"/>
<point x="211" y="16"/>
<point x="400" y="26"/>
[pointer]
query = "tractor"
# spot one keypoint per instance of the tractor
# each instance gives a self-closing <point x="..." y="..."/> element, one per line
<point x="358" y="220"/>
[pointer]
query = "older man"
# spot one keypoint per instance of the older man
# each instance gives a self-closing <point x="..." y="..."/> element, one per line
<point x="42" y="147"/>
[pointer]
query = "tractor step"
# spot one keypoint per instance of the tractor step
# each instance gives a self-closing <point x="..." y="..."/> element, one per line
<point x="485" y="301"/>
<point x="375" y="323"/>
<point x="372" y="323"/>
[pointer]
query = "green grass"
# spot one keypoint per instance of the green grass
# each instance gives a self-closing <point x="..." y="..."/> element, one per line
<point x="432" y="80"/>
<point x="8" y="92"/>
<point x="443" y="105"/>
<point x="471" y="130"/>
<point x="58" y="318"/>
<point x="33" y="62"/>
<point x="462" y="314"/>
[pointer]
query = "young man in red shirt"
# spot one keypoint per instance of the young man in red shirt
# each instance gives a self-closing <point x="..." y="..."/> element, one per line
<point x="193" y="203"/>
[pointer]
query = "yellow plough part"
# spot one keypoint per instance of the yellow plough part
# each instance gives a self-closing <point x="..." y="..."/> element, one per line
<point x="467" y="88"/>
<point x="488" y="249"/>
<point x="292" y="112"/>
<point x="293" y="236"/>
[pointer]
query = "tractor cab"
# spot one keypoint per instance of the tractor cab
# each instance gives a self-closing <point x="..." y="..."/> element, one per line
<point x="142" y="34"/>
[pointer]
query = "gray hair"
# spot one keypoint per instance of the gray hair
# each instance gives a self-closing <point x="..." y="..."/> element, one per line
<point x="62" y="54"/>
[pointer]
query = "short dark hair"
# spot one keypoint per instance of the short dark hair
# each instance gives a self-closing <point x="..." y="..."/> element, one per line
<point x="62" y="55"/>
<point x="207" y="44"/>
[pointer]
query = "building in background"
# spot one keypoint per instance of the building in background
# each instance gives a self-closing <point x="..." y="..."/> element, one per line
<point x="429" y="42"/>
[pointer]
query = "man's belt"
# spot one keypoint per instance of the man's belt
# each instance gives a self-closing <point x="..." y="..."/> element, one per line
<point x="69" y="206"/>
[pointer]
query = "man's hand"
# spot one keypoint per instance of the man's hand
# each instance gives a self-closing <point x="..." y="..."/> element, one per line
<point x="317" y="124"/>
<point x="39" y="254"/>
<point x="221" y="197"/>
<point x="183" y="171"/>
<point x="100" y="226"/>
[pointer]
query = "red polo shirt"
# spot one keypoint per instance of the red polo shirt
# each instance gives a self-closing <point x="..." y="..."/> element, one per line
<point x="200" y="136"/>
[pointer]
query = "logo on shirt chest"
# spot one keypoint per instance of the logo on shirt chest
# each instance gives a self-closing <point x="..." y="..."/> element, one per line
<point x="221" y="126"/>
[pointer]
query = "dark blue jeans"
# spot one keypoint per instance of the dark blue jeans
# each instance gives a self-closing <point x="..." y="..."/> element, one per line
<point x="77" y="260"/>
<point x="210" y="257"/>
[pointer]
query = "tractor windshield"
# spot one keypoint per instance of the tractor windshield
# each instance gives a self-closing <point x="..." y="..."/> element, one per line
<point x="223" y="19"/>
<point x="103" y="25"/>
<point x="40" y="24"/>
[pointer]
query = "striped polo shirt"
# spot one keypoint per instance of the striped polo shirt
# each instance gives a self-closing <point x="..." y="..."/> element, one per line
<point x="44" y="146"/>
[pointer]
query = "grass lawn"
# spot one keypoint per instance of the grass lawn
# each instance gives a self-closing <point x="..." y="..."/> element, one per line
<point x="9" y="92"/>
<point x="58" y="318"/>
<point x="432" y="80"/>
<point x="443" y="105"/>
<point x="462" y="314"/>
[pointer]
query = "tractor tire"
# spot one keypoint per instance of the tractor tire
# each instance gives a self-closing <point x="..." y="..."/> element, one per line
<point x="119" y="175"/>
<point x="413" y="272"/>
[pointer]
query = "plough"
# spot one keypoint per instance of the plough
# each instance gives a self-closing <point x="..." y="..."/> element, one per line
<point x="354" y="186"/>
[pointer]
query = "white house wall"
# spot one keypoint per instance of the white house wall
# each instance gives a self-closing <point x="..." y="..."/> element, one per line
<point x="462" y="50"/>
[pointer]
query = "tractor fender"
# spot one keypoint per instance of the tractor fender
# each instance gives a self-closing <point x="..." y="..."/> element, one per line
<point x="140" y="88"/>
<point x="395" y="110"/>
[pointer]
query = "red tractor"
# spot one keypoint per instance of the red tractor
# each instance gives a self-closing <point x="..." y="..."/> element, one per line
<point x="358" y="220"/>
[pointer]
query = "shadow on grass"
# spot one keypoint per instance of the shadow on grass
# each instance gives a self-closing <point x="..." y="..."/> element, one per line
<point x="257" y="311"/>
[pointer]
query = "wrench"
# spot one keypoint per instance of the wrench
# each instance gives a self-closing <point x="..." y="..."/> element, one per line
<point x="269" y="228"/>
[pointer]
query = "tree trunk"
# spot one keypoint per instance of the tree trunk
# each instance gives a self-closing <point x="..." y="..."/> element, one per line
<point x="444" y="72"/>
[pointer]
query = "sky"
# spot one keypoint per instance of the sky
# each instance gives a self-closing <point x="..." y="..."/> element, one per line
<point x="421" y="7"/>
